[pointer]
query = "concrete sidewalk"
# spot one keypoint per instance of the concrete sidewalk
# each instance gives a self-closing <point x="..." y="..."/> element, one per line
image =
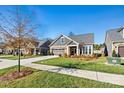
<point x="100" y="76"/>
<point x="5" y="63"/>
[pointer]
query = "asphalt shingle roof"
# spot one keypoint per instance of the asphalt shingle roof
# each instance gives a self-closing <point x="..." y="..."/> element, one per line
<point x="41" y="42"/>
<point x="116" y="34"/>
<point x="83" y="38"/>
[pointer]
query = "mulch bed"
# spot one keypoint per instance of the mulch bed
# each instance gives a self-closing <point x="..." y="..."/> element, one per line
<point x="15" y="75"/>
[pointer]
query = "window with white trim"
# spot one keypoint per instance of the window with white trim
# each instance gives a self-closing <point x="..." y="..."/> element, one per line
<point x="89" y="49"/>
<point x="62" y="40"/>
<point x="86" y="49"/>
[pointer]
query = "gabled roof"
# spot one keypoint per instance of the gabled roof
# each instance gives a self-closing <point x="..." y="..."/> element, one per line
<point x="83" y="38"/>
<point x="41" y="42"/>
<point x="115" y="34"/>
<point x="60" y="37"/>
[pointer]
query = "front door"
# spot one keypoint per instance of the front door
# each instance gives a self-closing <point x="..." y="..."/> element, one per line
<point x="72" y="50"/>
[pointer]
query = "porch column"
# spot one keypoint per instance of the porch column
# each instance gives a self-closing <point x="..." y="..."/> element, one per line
<point x="67" y="50"/>
<point x="92" y="50"/>
<point x="34" y="51"/>
<point x="77" y="50"/>
<point x="88" y="50"/>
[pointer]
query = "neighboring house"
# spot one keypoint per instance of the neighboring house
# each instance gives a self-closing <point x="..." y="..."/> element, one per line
<point x="73" y="45"/>
<point x="1" y="47"/>
<point x="40" y="47"/>
<point x="43" y="47"/>
<point x="29" y="49"/>
<point x="114" y="40"/>
<point x="10" y="50"/>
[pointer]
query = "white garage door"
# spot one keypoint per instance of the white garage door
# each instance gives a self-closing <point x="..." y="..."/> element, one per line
<point x="58" y="51"/>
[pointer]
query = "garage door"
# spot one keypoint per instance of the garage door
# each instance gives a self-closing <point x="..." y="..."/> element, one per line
<point x="121" y="51"/>
<point x="58" y="51"/>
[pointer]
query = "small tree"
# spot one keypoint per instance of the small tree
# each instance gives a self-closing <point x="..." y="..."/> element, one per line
<point x="17" y="30"/>
<point x="114" y="53"/>
<point x="97" y="47"/>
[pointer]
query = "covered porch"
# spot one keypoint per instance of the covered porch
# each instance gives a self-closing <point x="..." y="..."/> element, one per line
<point x="73" y="50"/>
<point x="79" y="49"/>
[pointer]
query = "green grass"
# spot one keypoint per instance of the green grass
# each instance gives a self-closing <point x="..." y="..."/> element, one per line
<point x="11" y="57"/>
<point x="43" y="79"/>
<point x="94" y="65"/>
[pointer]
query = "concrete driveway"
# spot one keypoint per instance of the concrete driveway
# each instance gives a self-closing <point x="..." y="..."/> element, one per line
<point x="5" y="63"/>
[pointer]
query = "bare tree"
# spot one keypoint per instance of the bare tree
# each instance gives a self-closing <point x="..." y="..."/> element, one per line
<point x="17" y="30"/>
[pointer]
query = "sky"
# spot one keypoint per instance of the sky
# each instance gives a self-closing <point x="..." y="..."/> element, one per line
<point x="56" y="20"/>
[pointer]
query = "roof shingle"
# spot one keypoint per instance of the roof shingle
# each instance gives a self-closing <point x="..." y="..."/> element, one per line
<point x="115" y="34"/>
<point x="83" y="38"/>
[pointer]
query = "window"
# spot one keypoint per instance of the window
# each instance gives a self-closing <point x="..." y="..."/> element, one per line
<point x="62" y="40"/>
<point x="80" y="51"/>
<point x="89" y="49"/>
<point x="86" y="49"/>
<point x="83" y="50"/>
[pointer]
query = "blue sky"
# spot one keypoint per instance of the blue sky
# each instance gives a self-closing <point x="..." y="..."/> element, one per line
<point x="55" y="20"/>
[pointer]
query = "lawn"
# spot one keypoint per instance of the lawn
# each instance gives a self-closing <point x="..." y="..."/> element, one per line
<point x="11" y="57"/>
<point x="93" y="65"/>
<point x="43" y="79"/>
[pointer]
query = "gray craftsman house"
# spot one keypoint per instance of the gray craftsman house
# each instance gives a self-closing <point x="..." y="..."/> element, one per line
<point x="114" y="40"/>
<point x="73" y="45"/>
<point x="43" y="47"/>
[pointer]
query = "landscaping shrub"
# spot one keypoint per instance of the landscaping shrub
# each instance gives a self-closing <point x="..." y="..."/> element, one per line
<point x="65" y="55"/>
<point x="114" y="53"/>
<point x="48" y="52"/>
<point x="97" y="55"/>
<point x="83" y="57"/>
<point x="60" y="55"/>
<point x="121" y="63"/>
